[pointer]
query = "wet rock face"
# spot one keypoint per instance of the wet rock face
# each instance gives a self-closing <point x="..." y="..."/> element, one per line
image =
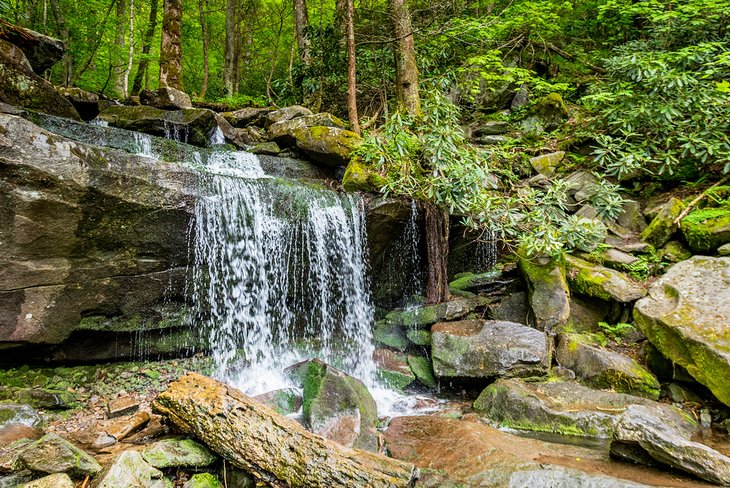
<point x="85" y="232"/>
<point x="685" y="317"/>
<point x="488" y="348"/>
<point x="42" y="51"/>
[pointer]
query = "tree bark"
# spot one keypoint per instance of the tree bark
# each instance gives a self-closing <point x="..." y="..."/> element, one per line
<point x="437" y="253"/>
<point x="171" y="46"/>
<point x="204" y="33"/>
<point x="146" y="46"/>
<point x="406" y="69"/>
<point x="301" y="21"/>
<point x="230" y="55"/>
<point x="68" y="66"/>
<point x="118" y="60"/>
<point x="351" y="67"/>
<point x="272" y="447"/>
<point x="130" y="59"/>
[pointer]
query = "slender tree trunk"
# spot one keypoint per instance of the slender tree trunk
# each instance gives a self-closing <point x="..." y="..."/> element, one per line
<point x="130" y="59"/>
<point x="437" y="252"/>
<point x="68" y="67"/>
<point x="171" y="46"/>
<point x="406" y="69"/>
<point x="146" y="46"/>
<point x="301" y="21"/>
<point x="351" y="67"/>
<point x="204" y="33"/>
<point x="119" y="61"/>
<point x="229" y="55"/>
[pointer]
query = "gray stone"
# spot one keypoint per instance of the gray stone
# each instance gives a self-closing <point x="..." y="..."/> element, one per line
<point x="169" y="453"/>
<point x="600" y="282"/>
<point x="285" y="401"/>
<point x="546" y="115"/>
<point x="492" y="128"/>
<point x="586" y="312"/>
<point x="86" y="103"/>
<point x="13" y="413"/>
<point x="548" y="292"/>
<point x="58" y="480"/>
<point x="673" y="252"/>
<point x="129" y="470"/>
<point x="336" y="405"/>
<point x="642" y="432"/>
<point x="166" y="98"/>
<point x="52" y="454"/>
<point x="601" y="368"/>
<point x="248" y="116"/>
<point x="547" y="164"/>
<point x="426" y="315"/>
<point x="488" y="348"/>
<point x="286" y="113"/>
<point x="41" y="51"/>
<point x="270" y="148"/>
<point x="686" y="315"/>
<point x="515" y="307"/>
<point x="679" y="394"/>
<point x="614" y="258"/>
<point x="492" y="140"/>
<point x="724" y="250"/>
<point x="566" y="408"/>
<point x="393" y="369"/>
<point x="45" y="398"/>
<point x="662" y="227"/>
<point x="391" y="335"/>
<point x="707" y="229"/>
<point x="631" y="217"/>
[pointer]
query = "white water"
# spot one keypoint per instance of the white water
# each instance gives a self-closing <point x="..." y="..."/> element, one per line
<point x="216" y="137"/>
<point x="143" y="144"/>
<point x="280" y="276"/>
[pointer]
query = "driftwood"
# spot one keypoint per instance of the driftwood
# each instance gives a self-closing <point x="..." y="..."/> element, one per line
<point x="269" y="446"/>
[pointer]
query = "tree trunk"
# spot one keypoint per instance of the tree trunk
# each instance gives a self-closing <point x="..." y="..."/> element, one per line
<point x="204" y="33"/>
<point x="146" y="46"/>
<point x="301" y="21"/>
<point x="272" y="447"/>
<point x="130" y="59"/>
<point x="230" y="56"/>
<point x="171" y="47"/>
<point x="118" y="60"/>
<point x="437" y="253"/>
<point x="351" y="67"/>
<point x="68" y="66"/>
<point x="406" y="69"/>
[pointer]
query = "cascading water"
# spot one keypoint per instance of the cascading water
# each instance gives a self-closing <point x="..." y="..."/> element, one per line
<point x="279" y="276"/>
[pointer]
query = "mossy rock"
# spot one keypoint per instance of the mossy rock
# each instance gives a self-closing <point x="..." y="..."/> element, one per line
<point x="548" y="290"/>
<point x="596" y="281"/>
<point x="52" y="454"/>
<point x="393" y="369"/>
<point x="707" y="229"/>
<point x="662" y="227"/>
<point x="419" y="337"/>
<point x="330" y="146"/>
<point x="473" y="282"/>
<point x="203" y="480"/>
<point x="421" y="367"/>
<point x="57" y="480"/>
<point x="170" y="453"/>
<point x="361" y="177"/>
<point x="285" y="401"/>
<point x="426" y="315"/>
<point x="391" y="335"/>
<point x="546" y="115"/>
<point x="673" y="252"/>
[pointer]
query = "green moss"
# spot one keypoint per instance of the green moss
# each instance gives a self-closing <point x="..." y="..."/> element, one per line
<point x="313" y="379"/>
<point x="203" y="480"/>
<point x="419" y="337"/>
<point x="707" y="229"/>
<point x="423" y="371"/>
<point x="390" y="335"/>
<point x="660" y="229"/>
<point x="395" y="379"/>
<point x="361" y="177"/>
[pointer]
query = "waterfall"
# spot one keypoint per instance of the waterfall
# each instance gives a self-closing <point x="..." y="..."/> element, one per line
<point x="279" y="276"/>
<point x="216" y="137"/>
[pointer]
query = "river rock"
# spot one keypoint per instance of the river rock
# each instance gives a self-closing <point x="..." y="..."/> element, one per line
<point x="285" y="401"/>
<point x="13" y="413"/>
<point x="169" y="453"/>
<point x="488" y="348"/>
<point x="52" y="454"/>
<point x="86" y="103"/>
<point x="336" y="405"/>
<point x="477" y="455"/>
<point x="423" y="370"/>
<point x="707" y="229"/>
<point x="286" y="113"/>
<point x="166" y="98"/>
<point x="426" y="315"/>
<point x="601" y="368"/>
<point x="546" y="164"/>
<point x="41" y="51"/>
<point x="58" y="480"/>
<point x="685" y="316"/>
<point x="566" y="408"/>
<point x="190" y="125"/>
<point x="548" y="292"/>
<point x="93" y="239"/>
<point x="21" y="87"/>
<point x="329" y="146"/>
<point x="662" y="226"/>
<point x="130" y="470"/>
<point x="393" y="369"/>
<point x="203" y="480"/>
<point x="248" y="116"/>
<point x="647" y="435"/>
<point x="597" y="281"/>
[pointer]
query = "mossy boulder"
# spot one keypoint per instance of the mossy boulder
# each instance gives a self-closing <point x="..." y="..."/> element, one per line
<point x="547" y="164"/>
<point x="285" y="113"/>
<point x="329" y="146"/>
<point x="42" y="51"/>
<point x="58" y="480"/>
<point x="566" y="408"/>
<point x="601" y="368"/>
<point x="170" y="453"/>
<point x="546" y="115"/>
<point x="419" y="337"/>
<point x="426" y="315"/>
<point x="52" y="454"/>
<point x="474" y="282"/>
<point x="423" y="370"/>
<point x="336" y="405"/>
<point x="203" y="480"/>
<point x="662" y="226"/>
<point x="129" y="469"/>
<point x="686" y="317"/>
<point x="393" y="369"/>
<point x="599" y="282"/>
<point x="488" y="349"/>
<point x="248" y="116"/>
<point x="390" y="335"/>
<point x="548" y="291"/>
<point x="21" y="87"/>
<point x="285" y="401"/>
<point x="361" y="177"/>
<point x="673" y="252"/>
<point x="282" y="132"/>
<point x="707" y="229"/>
<point x="166" y="98"/>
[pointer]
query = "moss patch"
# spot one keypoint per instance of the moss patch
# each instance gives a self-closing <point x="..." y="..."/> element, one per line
<point x="707" y="229"/>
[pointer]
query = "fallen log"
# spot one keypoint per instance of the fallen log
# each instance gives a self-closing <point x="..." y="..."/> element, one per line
<point x="271" y="447"/>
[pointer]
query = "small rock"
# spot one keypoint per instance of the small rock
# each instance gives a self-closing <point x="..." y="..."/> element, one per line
<point x="103" y="441"/>
<point x="421" y="367"/>
<point x="600" y="282"/>
<point x="271" y="148"/>
<point x="492" y="140"/>
<point x="419" y="337"/>
<point x="679" y="394"/>
<point x="43" y="398"/>
<point x="563" y="373"/>
<point x="203" y="480"/>
<point x="488" y="348"/>
<point x="662" y="227"/>
<point x="126" y="426"/>
<point x="426" y="315"/>
<point x="52" y="454"/>
<point x="393" y="369"/>
<point x="129" y="470"/>
<point x="169" y="453"/>
<point x="10" y="455"/>
<point x="166" y="98"/>
<point x="724" y="250"/>
<point x="285" y="401"/>
<point x="122" y="406"/>
<point x="492" y="128"/>
<point x="86" y="103"/>
<point x="13" y="413"/>
<point x="57" y="480"/>
<point x="707" y="229"/>
<point x="546" y="164"/>
<point x="247" y="116"/>
<point x="512" y="308"/>
<point x="475" y="282"/>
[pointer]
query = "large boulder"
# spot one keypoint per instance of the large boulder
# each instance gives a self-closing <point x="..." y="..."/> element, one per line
<point x="178" y="452"/>
<point x="41" y="51"/>
<point x="596" y="281"/>
<point x="663" y="225"/>
<point x="647" y="435"/>
<point x="686" y="316"/>
<point x="283" y="132"/>
<point x="86" y="103"/>
<point x="90" y="239"/>
<point x="488" y="349"/>
<point x="166" y="98"/>
<point x="336" y="405"/>
<point x="52" y="454"/>
<point x="286" y="113"/>
<point x="548" y="291"/>
<point x="707" y="229"/>
<point x="330" y="146"/>
<point x="192" y="125"/>
<point x="130" y="470"/>
<point x="601" y="368"/>
<point x="21" y="87"/>
<point x="566" y="408"/>
<point x="248" y="116"/>
<point x="362" y="177"/>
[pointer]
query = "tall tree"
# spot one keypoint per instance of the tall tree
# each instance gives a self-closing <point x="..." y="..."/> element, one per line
<point x="171" y="46"/>
<point x="231" y="51"/>
<point x="146" y="46"/>
<point x="63" y="30"/>
<point x="406" y="69"/>
<point x="204" y="34"/>
<point x="351" y="66"/>
<point x="301" y="24"/>
<point x="119" y="60"/>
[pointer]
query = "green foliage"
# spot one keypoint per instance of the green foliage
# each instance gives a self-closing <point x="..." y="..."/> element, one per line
<point x="616" y="331"/>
